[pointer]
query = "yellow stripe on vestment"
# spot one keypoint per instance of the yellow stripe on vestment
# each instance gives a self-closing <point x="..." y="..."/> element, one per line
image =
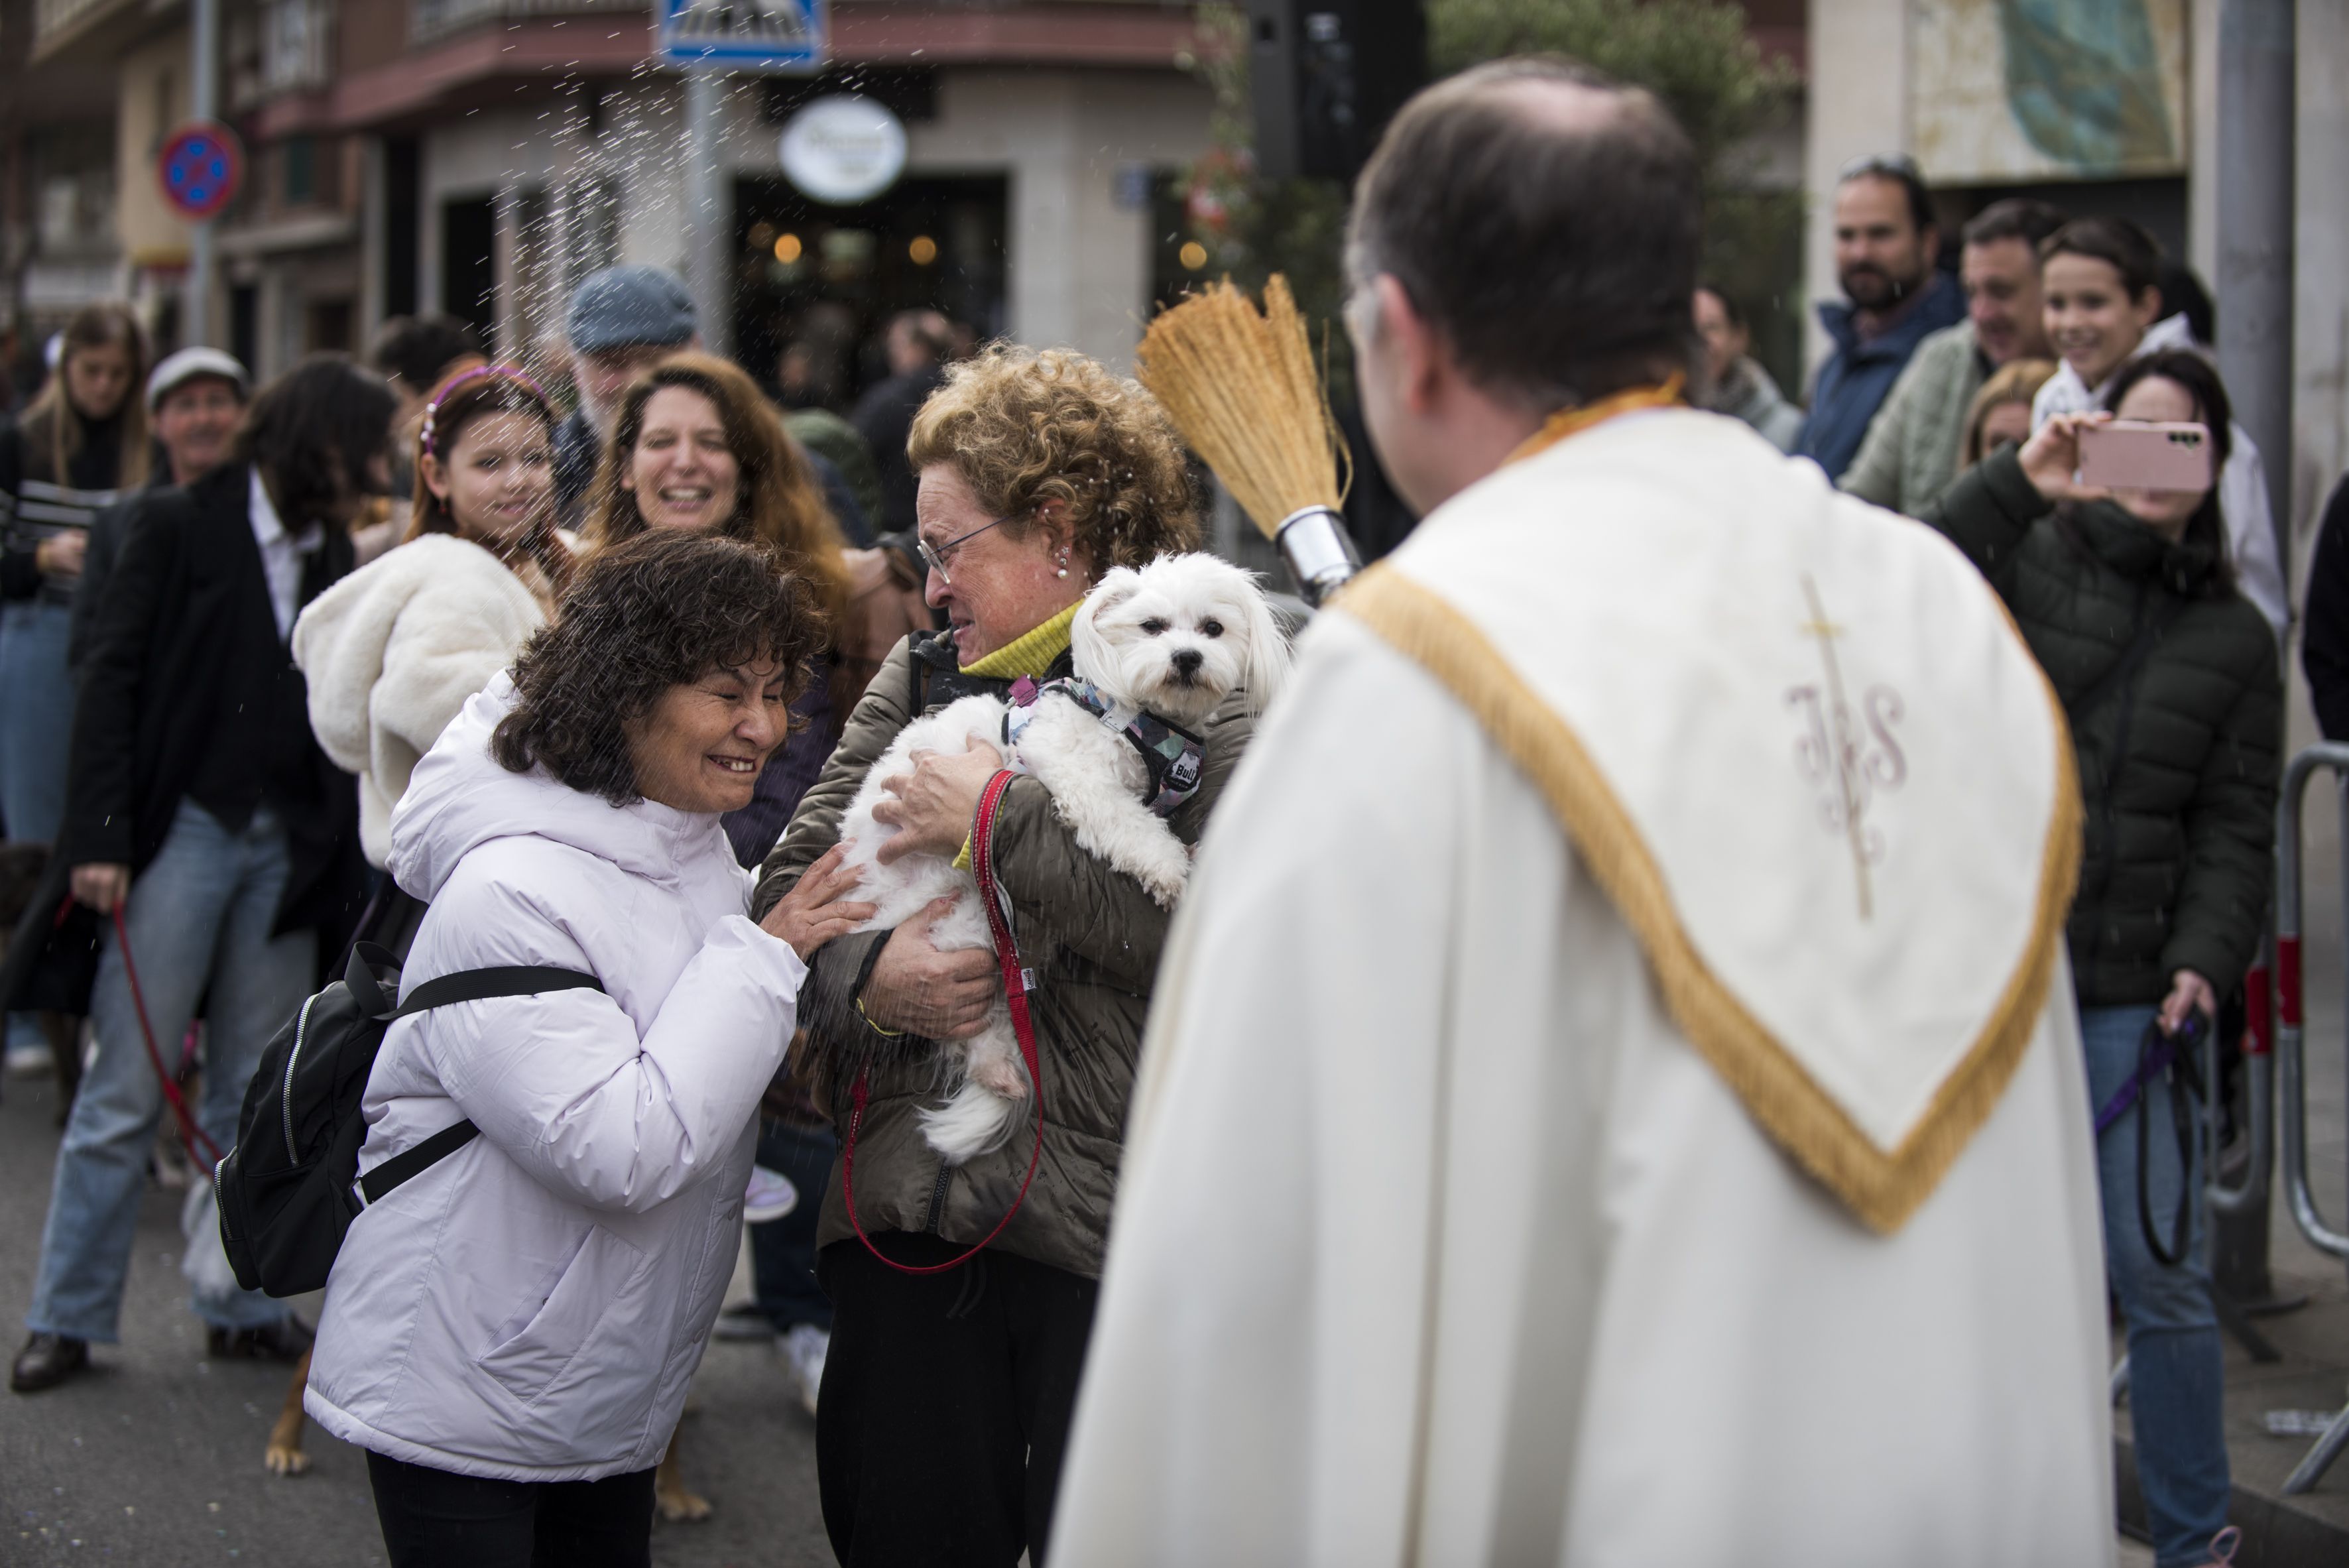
<point x="1882" y="1189"/>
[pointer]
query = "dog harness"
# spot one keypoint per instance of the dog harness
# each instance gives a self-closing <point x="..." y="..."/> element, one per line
<point x="1174" y="757"/>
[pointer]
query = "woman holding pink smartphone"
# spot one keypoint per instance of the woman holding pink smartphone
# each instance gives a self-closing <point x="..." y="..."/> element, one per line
<point x="2169" y="679"/>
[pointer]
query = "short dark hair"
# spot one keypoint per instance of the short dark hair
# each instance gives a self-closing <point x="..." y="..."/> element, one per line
<point x="2182" y="293"/>
<point x="655" y="612"/>
<point x="314" y="432"/>
<point x="2020" y="218"/>
<point x="1729" y="305"/>
<point x="2120" y="245"/>
<point x="1901" y="170"/>
<point x="1558" y="262"/>
<point x="419" y="348"/>
<point x="2206" y="527"/>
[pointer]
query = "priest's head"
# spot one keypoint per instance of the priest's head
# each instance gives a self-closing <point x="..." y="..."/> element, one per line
<point x="1524" y="240"/>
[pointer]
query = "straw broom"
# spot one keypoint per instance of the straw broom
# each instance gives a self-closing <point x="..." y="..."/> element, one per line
<point x="1241" y="387"/>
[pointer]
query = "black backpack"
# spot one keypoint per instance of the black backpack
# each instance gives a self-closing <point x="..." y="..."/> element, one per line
<point x="291" y="1187"/>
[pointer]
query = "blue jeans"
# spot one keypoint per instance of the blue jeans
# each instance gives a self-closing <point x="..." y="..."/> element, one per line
<point x="783" y="1252"/>
<point x="200" y="914"/>
<point x="36" y="704"/>
<point x="2175" y="1365"/>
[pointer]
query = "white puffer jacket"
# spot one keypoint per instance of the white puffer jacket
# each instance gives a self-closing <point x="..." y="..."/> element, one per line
<point x="532" y="1307"/>
<point x="392" y="652"/>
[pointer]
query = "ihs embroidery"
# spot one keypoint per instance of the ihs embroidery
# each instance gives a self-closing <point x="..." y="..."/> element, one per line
<point x="1848" y="755"/>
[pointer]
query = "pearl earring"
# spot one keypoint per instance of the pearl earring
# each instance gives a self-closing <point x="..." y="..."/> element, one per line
<point x="1064" y="571"/>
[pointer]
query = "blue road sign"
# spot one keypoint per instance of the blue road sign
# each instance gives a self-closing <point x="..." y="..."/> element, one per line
<point x="756" y="36"/>
<point x="200" y="166"/>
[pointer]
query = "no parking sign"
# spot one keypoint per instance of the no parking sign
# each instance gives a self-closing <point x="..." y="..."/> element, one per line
<point x="201" y="168"/>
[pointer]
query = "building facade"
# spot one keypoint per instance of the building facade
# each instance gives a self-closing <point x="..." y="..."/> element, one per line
<point x="2125" y="121"/>
<point x="481" y="156"/>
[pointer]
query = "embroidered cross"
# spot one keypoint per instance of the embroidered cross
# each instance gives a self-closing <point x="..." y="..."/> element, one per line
<point x="1837" y="752"/>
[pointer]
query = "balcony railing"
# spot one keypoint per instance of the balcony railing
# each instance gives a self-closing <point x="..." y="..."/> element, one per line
<point x="431" y="19"/>
<point x="52" y="19"/>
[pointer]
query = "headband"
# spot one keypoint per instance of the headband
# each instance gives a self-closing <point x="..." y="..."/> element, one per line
<point x="506" y="372"/>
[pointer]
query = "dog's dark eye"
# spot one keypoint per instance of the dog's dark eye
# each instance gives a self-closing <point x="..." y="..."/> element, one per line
<point x="1153" y="627"/>
<point x="1211" y="628"/>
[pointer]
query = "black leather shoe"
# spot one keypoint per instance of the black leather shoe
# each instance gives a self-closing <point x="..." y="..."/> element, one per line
<point x="47" y="1360"/>
<point x="289" y="1340"/>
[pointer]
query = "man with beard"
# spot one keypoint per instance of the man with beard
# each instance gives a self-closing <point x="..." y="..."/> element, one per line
<point x="1885" y="248"/>
<point x="1718" y="1055"/>
<point x="1911" y="452"/>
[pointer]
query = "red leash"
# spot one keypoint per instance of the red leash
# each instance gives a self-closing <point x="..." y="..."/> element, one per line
<point x="1015" y="992"/>
<point x="190" y="1134"/>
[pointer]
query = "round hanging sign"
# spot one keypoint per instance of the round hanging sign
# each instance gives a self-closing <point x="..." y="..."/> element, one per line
<point x="201" y="168"/>
<point x="844" y="149"/>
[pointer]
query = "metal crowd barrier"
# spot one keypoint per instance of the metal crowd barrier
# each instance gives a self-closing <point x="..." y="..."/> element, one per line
<point x="2291" y="1059"/>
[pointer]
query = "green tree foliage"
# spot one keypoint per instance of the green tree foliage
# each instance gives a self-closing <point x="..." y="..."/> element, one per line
<point x="1693" y="53"/>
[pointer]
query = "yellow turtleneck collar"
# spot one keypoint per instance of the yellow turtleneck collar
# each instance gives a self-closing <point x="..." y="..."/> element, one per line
<point x="1030" y="653"/>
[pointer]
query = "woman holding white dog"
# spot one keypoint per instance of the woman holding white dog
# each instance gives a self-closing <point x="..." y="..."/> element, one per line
<point x="510" y="1333"/>
<point x="946" y="1395"/>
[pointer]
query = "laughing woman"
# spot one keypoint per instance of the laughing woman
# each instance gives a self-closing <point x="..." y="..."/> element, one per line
<point x="695" y="446"/>
<point x="511" y="1334"/>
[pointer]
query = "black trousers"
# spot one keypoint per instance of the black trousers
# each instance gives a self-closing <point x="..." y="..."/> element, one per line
<point x="434" y="1518"/>
<point x="946" y="1404"/>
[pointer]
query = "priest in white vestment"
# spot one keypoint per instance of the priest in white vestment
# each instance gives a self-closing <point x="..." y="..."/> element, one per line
<point x="1614" y="1096"/>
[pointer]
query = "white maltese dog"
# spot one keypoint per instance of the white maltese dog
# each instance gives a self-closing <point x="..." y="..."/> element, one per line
<point x="1155" y="652"/>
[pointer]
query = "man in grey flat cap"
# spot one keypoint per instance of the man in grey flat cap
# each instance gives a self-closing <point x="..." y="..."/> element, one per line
<point x="621" y="323"/>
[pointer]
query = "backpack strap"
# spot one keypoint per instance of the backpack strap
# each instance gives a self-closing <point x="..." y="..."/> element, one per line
<point x="465" y="985"/>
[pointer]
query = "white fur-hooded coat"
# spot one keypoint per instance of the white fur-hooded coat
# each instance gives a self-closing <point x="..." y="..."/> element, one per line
<point x="392" y="652"/>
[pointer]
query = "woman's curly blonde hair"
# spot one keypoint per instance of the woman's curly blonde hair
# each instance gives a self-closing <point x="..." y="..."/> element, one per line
<point x="1025" y="426"/>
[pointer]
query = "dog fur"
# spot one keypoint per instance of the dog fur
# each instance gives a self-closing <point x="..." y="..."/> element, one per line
<point x="1173" y="639"/>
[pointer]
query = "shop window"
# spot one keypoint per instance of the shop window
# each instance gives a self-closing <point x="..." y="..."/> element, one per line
<point x="329" y="326"/>
<point x="468" y="273"/>
<point x="299" y="160"/>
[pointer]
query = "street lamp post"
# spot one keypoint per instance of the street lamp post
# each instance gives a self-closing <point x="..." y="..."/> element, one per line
<point x="2257" y="113"/>
<point x="202" y="84"/>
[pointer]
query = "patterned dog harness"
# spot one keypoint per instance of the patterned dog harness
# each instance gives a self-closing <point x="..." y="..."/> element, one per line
<point x="1173" y="757"/>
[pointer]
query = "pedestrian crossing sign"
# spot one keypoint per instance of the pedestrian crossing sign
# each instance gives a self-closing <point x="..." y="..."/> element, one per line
<point x="773" y="35"/>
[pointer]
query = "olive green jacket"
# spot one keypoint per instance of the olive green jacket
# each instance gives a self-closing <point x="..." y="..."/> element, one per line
<point x="2178" y="759"/>
<point x="1093" y="936"/>
<point x="1912" y="447"/>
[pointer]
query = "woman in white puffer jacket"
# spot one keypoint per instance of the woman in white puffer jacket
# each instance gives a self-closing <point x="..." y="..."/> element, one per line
<point x="528" y="1313"/>
<point x="393" y="650"/>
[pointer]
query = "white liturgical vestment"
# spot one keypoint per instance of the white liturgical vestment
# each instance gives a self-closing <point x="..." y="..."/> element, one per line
<point x="1613" y="1096"/>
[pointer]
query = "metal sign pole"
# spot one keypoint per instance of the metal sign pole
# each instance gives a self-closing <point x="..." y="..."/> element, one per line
<point x="707" y="250"/>
<point x="2257" y="109"/>
<point x="196" y="320"/>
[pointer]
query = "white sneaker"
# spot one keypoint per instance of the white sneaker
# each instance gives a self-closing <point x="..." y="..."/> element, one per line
<point x="804" y="1350"/>
<point x="30" y="1061"/>
<point x="770" y="1196"/>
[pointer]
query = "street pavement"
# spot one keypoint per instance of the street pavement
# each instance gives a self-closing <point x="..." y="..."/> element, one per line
<point x="153" y="1458"/>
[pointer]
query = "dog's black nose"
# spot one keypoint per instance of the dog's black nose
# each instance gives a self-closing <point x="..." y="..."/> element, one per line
<point x="1187" y="662"/>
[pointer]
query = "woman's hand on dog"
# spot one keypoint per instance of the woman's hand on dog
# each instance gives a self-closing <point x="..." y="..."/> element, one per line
<point x="915" y="989"/>
<point x="101" y="885"/>
<point x="812" y="914"/>
<point x="934" y="804"/>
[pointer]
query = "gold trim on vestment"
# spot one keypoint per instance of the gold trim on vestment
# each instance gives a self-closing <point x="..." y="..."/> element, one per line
<point x="1882" y="1189"/>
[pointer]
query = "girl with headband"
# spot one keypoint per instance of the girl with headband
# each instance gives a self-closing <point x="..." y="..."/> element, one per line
<point x="393" y="652"/>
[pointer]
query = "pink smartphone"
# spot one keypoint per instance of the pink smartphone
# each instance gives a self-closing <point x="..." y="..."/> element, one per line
<point x="2136" y="454"/>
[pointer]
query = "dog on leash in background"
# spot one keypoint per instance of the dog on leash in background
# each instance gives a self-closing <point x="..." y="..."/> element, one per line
<point x="1170" y="641"/>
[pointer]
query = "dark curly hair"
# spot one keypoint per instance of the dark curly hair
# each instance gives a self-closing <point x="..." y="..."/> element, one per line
<point x="315" y="431"/>
<point x="652" y="613"/>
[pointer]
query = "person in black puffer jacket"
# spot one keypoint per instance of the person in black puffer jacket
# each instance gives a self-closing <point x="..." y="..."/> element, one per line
<point x="2169" y="679"/>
